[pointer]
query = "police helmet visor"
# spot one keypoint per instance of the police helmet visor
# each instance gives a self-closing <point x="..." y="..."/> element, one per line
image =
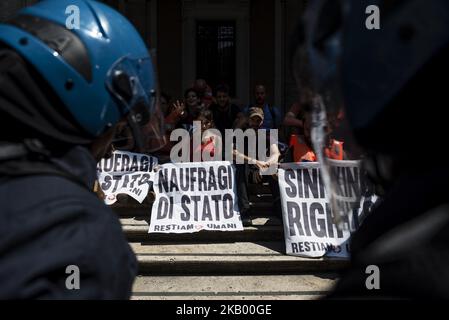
<point x="316" y="64"/>
<point x="133" y="84"/>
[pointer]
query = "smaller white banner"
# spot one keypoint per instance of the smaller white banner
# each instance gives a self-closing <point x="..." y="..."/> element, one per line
<point x="126" y="173"/>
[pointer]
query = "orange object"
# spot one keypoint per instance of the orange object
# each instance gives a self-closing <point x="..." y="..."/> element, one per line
<point x="208" y="146"/>
<point x="302" y="152"/>
<point x="335" y="151"/>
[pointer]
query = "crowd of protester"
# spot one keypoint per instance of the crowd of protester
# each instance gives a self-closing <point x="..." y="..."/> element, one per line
<point x="214" y="109"/>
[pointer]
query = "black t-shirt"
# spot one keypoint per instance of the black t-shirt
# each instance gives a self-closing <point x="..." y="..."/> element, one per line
<point x="224" y="119"/>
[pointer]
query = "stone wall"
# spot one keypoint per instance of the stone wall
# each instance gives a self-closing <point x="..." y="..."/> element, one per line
<point x="8" y="8"/>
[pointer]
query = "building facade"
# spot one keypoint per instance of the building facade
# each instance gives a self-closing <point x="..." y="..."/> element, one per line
<point x="238" y="42"/>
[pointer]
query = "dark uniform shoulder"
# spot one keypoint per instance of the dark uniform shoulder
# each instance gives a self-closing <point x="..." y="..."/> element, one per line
<point x="51" y="223"/>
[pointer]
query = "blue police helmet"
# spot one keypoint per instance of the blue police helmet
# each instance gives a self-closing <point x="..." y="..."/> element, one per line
<point x="100" y="68"/>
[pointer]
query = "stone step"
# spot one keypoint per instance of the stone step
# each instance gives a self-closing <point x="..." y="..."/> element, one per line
<point x="256" y="194"/>
<point x="263" y="229"/>
<point x="260" y="208"/>
<point x="267" y="287"/>
<point x="261" y="188"/>
<point x="238" y="258"/>
<point x="265" y="197"/>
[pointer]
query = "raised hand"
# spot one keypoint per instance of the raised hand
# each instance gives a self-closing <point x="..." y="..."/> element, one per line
<point x="179" y="108"/>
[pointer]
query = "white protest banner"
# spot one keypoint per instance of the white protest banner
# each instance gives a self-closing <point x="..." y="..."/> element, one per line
<point x="308" y="225"/>
<point x="196" y="196"/>
<point x="126" y="173"/>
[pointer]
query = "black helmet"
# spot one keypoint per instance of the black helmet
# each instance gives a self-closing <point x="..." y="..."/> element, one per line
<point x="383" y="77"/>
<point x="387" y="81"/>
<point x="392" y="78"/>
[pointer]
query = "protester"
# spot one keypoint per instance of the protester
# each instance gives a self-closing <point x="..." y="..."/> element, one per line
<point x="303" y="150"/>
<point x="164" y="102"/>
<point x="204" y="92"/>
<point x="250" y="170"/>
<point x="294" y="119"/>
<point x="273" y="118"/>
<point x="182" y="114"/>
<point x="210" y="142"/>
<point x="226" y="115"/>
